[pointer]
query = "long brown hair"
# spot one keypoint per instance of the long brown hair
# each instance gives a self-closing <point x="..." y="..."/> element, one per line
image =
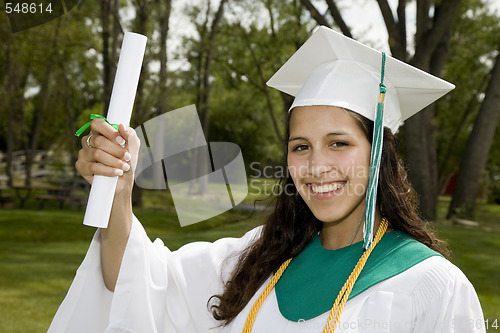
<point x="291" y="225"/>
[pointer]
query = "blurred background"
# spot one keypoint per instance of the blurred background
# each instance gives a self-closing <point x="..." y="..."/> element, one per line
<point x="218" y="54"/>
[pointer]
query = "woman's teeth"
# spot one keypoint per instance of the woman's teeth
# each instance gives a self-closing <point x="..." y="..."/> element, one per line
<point x="325" y="188"/>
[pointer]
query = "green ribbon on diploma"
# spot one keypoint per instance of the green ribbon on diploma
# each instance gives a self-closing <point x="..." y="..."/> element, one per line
<point x="87" y="125"/>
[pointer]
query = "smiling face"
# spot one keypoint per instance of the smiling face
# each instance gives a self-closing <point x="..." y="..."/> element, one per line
<point x="328" y="159"/>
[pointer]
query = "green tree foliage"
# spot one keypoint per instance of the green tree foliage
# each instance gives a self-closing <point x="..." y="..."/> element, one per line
<point x="475" y="37"/>
<point x="253" y="39"/>
<point x="49" y="78"/>
<point x="249" y="48"/>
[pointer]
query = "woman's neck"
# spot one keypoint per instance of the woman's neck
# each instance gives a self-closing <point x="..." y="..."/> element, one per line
<point x="337" y="235"/>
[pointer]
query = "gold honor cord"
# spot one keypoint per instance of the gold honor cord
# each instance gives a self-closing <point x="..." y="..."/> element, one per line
<point x="255" y="308"/>
<point x="341" y="299"/>
<point x="349" y="284"/>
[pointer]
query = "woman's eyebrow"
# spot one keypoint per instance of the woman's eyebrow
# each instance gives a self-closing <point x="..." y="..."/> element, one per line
<point x="296" y="138"/>
<point x="337" y="133"/>
<point x="329" y="134"/>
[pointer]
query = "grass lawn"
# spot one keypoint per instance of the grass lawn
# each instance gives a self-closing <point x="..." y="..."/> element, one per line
<point x="476" y="251"/>
<point x="41" y="250"/>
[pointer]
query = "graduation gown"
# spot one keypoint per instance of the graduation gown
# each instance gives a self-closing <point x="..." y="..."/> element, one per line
<point x="163" y="291"/>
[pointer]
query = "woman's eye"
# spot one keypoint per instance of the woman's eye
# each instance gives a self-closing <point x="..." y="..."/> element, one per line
<point x="339" y="144"/>
<point x="300" y="148"/>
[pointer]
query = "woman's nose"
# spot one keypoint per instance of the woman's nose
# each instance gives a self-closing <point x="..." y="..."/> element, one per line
<point x="319" y="162"/>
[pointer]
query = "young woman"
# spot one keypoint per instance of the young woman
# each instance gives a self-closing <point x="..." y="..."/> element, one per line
<point x="344" y="250"/>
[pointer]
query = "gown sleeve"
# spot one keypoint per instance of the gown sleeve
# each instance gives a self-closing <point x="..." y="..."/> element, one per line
<point x="157" y="290"/>
<point x="446" y="302"/>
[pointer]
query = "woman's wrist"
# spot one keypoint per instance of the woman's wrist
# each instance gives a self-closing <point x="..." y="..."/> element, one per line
<point x="125" y="194"/>
<point x="120" y="219"/>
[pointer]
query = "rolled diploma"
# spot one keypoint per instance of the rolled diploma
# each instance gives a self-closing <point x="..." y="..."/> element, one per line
<point x="120" y="110"/>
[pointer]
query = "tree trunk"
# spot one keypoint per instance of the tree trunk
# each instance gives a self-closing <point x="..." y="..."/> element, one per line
<point x="419" y="143"/>
<point x="262" y="83"/>
<point x="138" y="116"/>
<point x="430" y="55"/>
<point x="70" y="121"/>
<point x="445" y="157"/>
<point x="15" y="123"/>
<point x="41" y="109"/>
<point x="395" y="29"/>
<point x="111" y="30"/>
<point x="427" y="181"/>
<point x="207" y="69"/>
<point x="106" y="69"/>
<point x="206" y="52"/>
<point x="117" y="31"/>
<point x="165" y="9"/>
<point x="477" y="149"/>
<point x="9" y="82"/>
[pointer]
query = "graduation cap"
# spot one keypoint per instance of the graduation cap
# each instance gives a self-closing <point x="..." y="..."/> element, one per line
<point x="332" y="69"/>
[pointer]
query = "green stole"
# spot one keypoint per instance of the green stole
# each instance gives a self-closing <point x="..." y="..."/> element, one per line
<point x="312" y="281"/>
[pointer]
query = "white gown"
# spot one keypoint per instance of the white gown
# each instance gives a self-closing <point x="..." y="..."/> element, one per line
<point x="163" y="291"/>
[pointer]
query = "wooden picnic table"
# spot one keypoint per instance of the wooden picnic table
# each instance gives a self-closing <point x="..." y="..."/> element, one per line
<point x="72" y="195"/>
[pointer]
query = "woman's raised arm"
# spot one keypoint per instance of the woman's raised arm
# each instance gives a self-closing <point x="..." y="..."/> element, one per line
<point x="111" y="153"/>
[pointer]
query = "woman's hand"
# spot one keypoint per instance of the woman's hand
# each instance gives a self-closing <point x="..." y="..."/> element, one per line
<point x="111" y="153"/>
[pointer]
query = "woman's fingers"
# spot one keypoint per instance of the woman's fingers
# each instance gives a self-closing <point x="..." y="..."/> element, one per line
<point x="88" y="168"/>
<point x="104" y="137"/>
<point x="100" y="126"/>
<point x="87" y="157"/>
<point x="101" y="143"/>
<point x="83" y="167"/>
<point x="130" y="136"/>
<point x="103" y="157"/>
<point x="132" y="144"/>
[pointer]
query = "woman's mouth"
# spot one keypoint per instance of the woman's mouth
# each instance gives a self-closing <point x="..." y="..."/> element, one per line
<point x="324" y="191"/>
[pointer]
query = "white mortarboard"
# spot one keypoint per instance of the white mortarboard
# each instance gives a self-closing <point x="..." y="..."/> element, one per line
<point x="331" y="69"/>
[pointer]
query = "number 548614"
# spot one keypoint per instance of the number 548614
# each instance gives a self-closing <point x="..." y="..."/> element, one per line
<point x="25" y="8"/>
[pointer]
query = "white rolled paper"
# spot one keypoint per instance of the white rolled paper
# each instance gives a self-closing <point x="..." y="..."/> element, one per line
<point x="120" y="110"/>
